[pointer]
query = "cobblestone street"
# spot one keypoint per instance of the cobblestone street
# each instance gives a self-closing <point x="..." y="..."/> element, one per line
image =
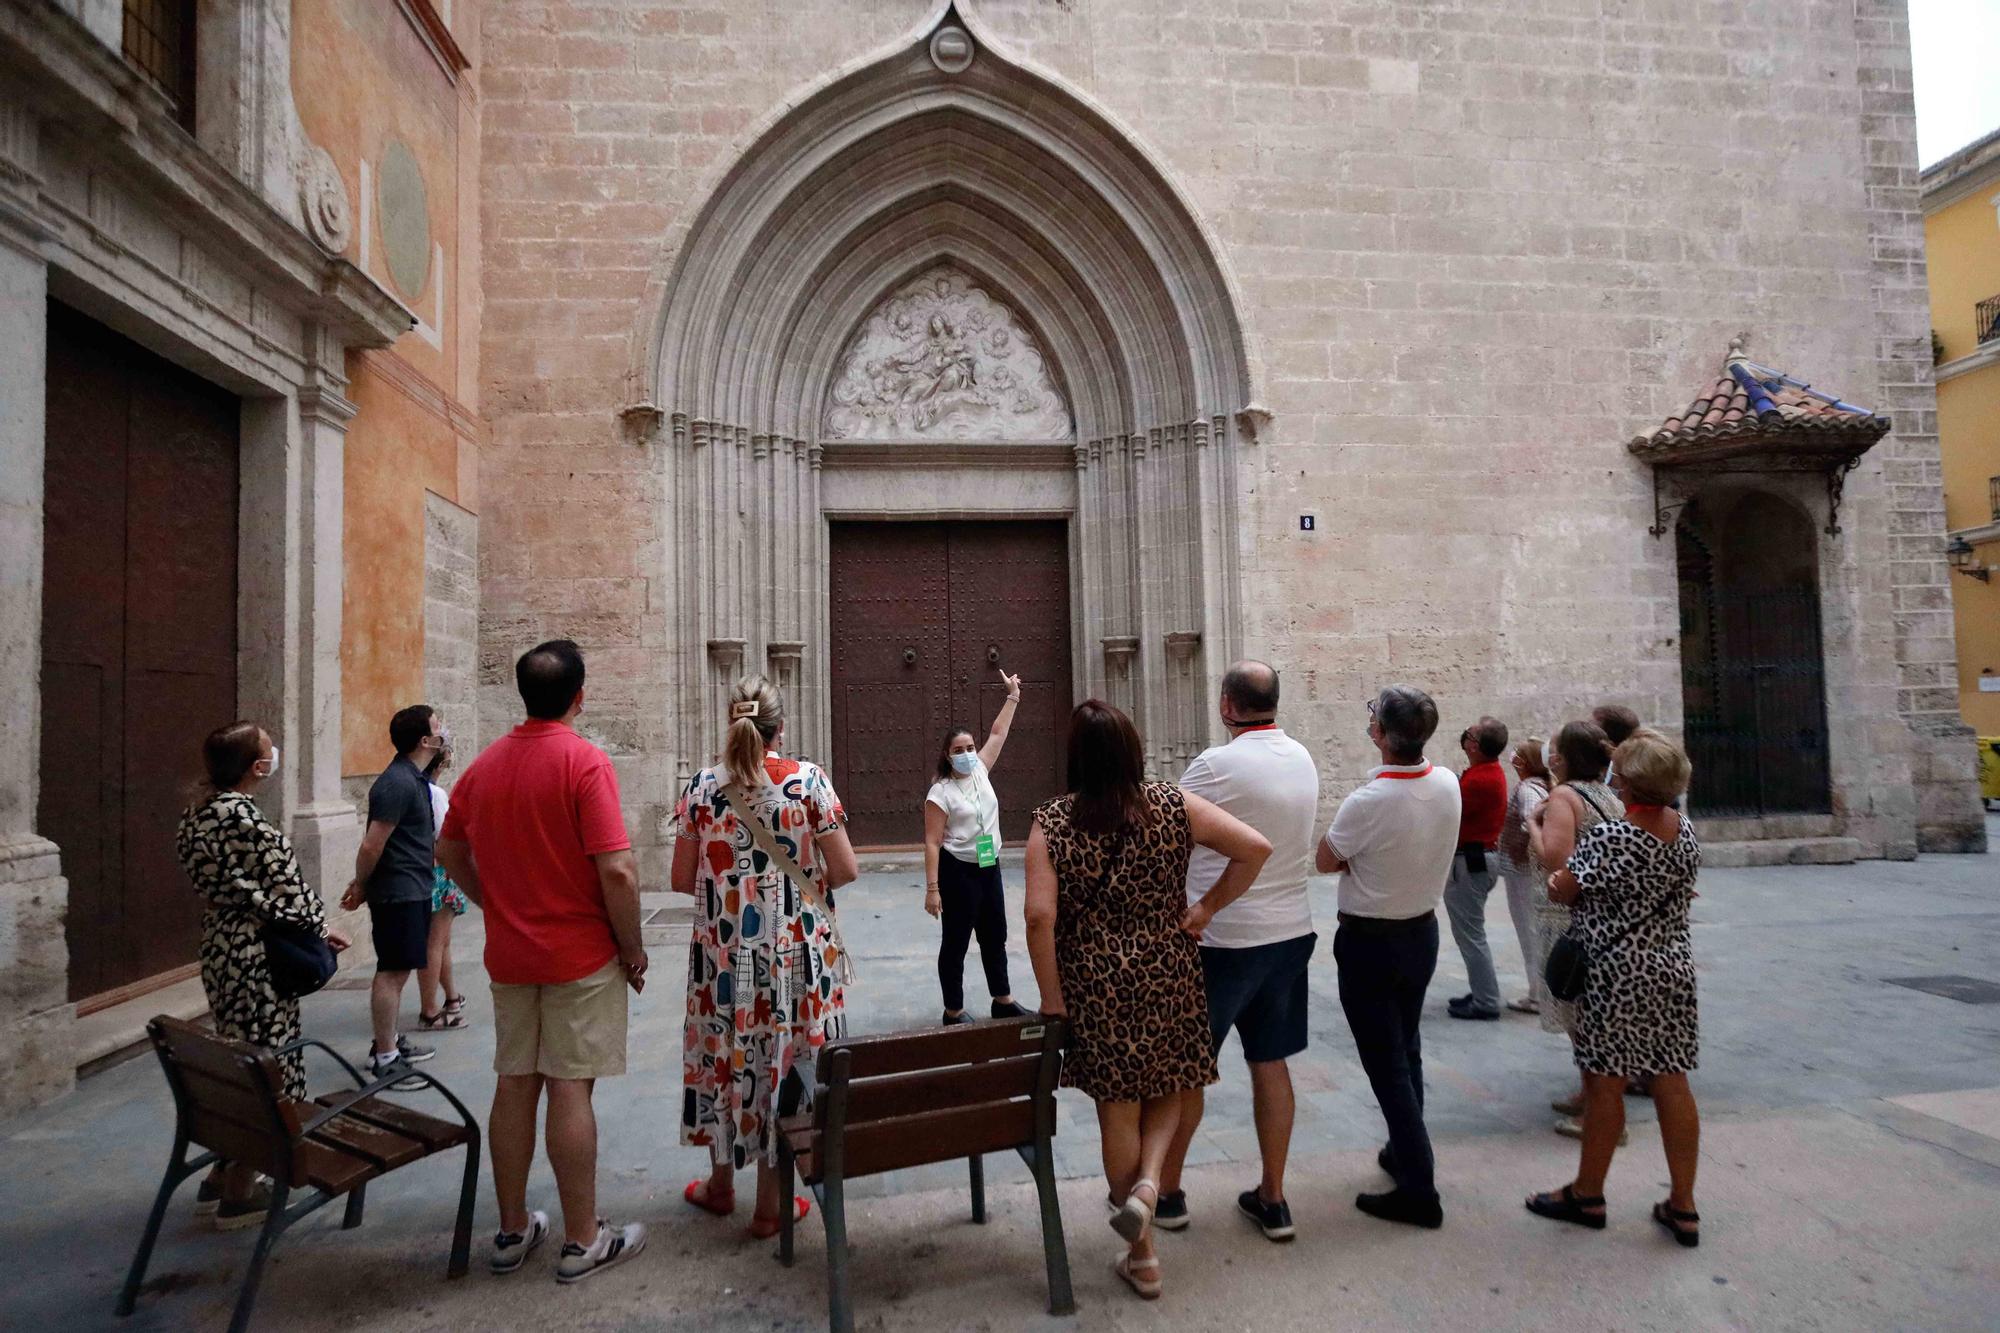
<point x="1850" y="1169"/>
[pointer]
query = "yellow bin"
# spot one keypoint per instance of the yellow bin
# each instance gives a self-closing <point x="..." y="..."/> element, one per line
<point x="1989" y="767"/>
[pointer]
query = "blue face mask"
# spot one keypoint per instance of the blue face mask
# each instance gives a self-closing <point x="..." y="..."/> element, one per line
<point x="965" y="761"/>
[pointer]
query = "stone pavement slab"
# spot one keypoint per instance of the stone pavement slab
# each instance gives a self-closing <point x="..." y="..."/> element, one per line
<point x="1850" y="1173"/>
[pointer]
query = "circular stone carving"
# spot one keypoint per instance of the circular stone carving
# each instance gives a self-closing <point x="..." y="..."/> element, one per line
<point x="405" y="218"/>
<point x="323" y="201"/>
<point x="951" y="50"/>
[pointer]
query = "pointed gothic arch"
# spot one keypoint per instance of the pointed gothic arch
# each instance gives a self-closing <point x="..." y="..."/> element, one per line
<point x="942" y="153"/>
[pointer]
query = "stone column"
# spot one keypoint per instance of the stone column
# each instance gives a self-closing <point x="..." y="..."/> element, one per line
<point x="35" y="1013"/>
<point x="324" y="828"/>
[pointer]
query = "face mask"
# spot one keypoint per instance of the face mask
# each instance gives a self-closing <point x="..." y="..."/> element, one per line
<point x="965" y="761"/>
<point x="272" y="770"/>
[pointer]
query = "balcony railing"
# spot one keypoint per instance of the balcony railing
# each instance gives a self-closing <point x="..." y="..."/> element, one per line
<point x="1986" y="317"/>
<point x="1993" y="496"/>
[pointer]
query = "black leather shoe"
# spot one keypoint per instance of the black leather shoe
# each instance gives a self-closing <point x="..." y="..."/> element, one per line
<point x="952" y="1020"/>
<point x="1008" y="1009"/>
<point x="1462" y="1007"/>
<point x="1399" y="1206"/>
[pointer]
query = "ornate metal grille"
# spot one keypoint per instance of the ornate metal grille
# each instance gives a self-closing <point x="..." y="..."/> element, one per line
<point x="1993" y="496"/>
<point x="1986" y="315"/>
<point x="159" y="42"/>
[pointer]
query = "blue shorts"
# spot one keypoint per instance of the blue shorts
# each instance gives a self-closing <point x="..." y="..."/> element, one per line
<point x="1261" y="992"/>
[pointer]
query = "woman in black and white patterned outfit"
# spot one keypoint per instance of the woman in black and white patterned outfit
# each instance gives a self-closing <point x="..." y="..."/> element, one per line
<point x="1631" y="882"/>
<point x="246" y="873"/>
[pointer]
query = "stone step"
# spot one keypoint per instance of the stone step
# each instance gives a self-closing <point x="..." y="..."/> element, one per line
<point x="1782" y="852"/>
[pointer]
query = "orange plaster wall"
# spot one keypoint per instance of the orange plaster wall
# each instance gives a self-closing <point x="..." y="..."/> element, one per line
<point x="363" y="74"/>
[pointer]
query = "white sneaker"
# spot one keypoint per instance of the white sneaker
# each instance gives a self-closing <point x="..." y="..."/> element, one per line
<point x="614" y="1245"/>
<point x="512" y="1248"/>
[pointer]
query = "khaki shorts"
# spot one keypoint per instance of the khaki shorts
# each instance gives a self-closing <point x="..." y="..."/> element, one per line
<point x="572" y="1031"/>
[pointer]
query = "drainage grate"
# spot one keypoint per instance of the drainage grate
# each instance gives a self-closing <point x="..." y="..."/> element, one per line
<point x="1966" y="990"/>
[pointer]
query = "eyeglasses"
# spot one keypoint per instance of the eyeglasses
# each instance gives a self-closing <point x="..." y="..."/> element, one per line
<point x="1373" y="704"/>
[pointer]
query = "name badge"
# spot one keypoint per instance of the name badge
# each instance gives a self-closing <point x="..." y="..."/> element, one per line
<point x="988" y="854"/>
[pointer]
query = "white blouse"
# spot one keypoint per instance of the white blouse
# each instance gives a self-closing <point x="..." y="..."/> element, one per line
<point x="970" y="809"/>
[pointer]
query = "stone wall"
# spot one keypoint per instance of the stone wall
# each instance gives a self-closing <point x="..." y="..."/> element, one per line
<point x="1475" y="249"/>
<point x="451" y="619"/>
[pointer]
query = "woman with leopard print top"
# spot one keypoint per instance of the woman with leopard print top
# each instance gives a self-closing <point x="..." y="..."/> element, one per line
<point x="247" y="875"/>
<point x="1631" y="881"/>
<point x="1114" y="942"/>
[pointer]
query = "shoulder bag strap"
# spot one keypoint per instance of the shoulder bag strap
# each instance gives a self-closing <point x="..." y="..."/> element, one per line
<point x="1587" y="799"/>
<point x="767" y="843"/>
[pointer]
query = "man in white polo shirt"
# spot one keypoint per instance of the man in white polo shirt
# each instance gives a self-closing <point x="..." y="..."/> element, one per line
<point x="1392" y="842"/>
<point x="1254" y="953"/>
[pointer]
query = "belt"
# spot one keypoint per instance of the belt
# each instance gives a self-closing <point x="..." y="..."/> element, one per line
<point x="1384" y="923"/>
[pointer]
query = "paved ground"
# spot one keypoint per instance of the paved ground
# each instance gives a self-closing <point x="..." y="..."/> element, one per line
<point x="1850" y="1167"/>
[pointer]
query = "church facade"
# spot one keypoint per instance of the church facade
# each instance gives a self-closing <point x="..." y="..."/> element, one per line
<point x="877" y="346"/>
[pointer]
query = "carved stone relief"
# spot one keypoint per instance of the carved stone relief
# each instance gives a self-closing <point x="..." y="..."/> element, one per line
<point x="323" y="201"/>
<point x="943" y="360"/>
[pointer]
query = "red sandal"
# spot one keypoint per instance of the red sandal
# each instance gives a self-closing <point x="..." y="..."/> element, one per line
<point x="722" y="1207"/>
<point x="763" y="1228"/>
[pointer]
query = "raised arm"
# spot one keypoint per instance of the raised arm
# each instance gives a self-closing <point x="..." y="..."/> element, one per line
<point x="1247" y="850"/>
<point x="1040" y="909"/>
<point x="989" y="753"/>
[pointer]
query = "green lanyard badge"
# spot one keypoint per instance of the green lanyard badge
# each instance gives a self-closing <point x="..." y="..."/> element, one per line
<point x="988" y="854"/>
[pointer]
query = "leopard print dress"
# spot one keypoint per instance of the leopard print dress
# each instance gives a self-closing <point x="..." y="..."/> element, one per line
<point x="1637" y="1012"/>
<point x="246" y="874"/>
<point x="1131" y="979"/>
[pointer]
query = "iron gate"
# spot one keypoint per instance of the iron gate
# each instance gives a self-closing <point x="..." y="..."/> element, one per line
<point x="1754" y="688"/>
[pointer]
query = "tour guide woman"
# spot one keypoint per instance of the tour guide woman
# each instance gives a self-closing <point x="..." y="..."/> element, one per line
<point x="962" y="861"/>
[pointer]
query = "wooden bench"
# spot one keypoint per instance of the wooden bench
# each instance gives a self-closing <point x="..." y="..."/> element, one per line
<point x="229" y="1098"/>
<point x="910" y="1099"/>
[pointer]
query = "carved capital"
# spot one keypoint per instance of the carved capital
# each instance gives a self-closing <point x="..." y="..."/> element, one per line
<point x="321" y="404"/>
<point x="323" y="200"/>
<point x="641" y="422"/>
<point x="1119" y="650"/>
<point x="727" y="654"/>
<point x="784" y="655"/>
<point x="1181" y="644"/>
<point x="1251" y="421"/>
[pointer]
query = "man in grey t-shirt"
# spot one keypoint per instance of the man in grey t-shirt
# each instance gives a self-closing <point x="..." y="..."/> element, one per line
<point x="393" y="874"/>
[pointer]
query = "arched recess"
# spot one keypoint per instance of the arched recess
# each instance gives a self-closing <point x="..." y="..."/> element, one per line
<point x="1753" y="678"/>
<point x="945" y="153"/>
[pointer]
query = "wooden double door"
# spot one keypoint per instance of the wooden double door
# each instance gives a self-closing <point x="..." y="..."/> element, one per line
<point x="138" y="638"/>
<point x="924" y="617"/>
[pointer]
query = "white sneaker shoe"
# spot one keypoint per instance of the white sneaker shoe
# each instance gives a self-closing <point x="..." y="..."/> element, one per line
<point x="512" y="1248"/>
<point x="614" y="1245"/>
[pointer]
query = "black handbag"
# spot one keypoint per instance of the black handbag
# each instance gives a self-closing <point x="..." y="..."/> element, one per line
<point x="299" y="958"/>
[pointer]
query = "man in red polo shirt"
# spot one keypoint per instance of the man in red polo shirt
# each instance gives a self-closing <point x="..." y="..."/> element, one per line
<point x="1482" y="790"/>
<point x="536" y="838"/>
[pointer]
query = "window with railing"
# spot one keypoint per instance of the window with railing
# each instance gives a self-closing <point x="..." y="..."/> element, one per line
<point x="159" y="43"/>
<point x="1986" y="317"/>
<point x="1993" y="496"/>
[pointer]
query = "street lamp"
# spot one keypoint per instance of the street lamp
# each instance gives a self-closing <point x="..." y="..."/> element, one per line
<point x="1966" y="560"/>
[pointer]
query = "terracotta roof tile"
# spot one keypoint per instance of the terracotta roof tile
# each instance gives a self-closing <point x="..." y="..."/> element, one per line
<point x="1758" y="409"/>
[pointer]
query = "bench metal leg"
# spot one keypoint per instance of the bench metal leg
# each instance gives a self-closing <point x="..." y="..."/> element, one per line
<point x="178" y="1170"/>
<point x="833" y="1211"/>
<point x="978" y="1165"/>
<point x="267" y="1239"/>
<point x="461" y="1236"/>
<point x="1054" y="1249"/>
<point x="786" y="1211"/>
<point x="357" y="1201"/>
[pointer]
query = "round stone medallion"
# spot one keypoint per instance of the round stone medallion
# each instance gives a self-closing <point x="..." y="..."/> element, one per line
<point x="951" y="50"/>
<point x="404" y="218"/>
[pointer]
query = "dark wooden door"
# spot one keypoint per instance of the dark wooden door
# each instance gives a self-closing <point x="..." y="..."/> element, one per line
<point x="138" y="638"/>
<point x="924" y="617"/>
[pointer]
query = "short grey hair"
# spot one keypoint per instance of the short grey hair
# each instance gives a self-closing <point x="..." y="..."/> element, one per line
<point x="1408" y="717"/>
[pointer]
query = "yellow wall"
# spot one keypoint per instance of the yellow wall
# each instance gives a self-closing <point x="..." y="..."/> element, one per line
<point x="362" y="77"/>
<point x="1963" y="240"/>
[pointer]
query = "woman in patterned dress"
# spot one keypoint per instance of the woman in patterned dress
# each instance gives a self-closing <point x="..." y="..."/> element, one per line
<point x="1632" y="881"/>
<point x="1580" y="802"/>
<point x="1114" y="943"/>
<point x="434" y="982"/>
<point x="764" y="991"/>
<point x="247" y="875"/>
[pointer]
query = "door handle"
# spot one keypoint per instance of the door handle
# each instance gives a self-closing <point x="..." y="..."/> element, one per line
<point x="993" y="654"/>
<point x="909" y="657"/>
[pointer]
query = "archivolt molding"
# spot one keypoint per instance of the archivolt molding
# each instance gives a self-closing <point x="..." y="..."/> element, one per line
<point x="963" y="163"/>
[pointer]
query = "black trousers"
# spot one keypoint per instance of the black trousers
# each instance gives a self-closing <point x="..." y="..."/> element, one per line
<point x="974" y="904"/>
<point x="1385" y="968"/>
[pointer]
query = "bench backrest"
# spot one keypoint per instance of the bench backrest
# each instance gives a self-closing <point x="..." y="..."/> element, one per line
<point x="916" y="1097"/>
<point x="227" y="1094"/>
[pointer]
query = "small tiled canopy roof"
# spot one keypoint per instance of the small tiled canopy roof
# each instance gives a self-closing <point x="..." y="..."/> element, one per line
<point x="1753" y="417"/>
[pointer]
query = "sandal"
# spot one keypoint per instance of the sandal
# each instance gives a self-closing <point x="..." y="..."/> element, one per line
<point x="1566" y="1205"/>
<point x="1135" y="1214"/>
<point x="454" y="1004"/>
<point x="1571" y="1106"/>
<point x="444" y="1020"/>
<point x="721" y="1206"/>
<point x="1677" y="1221"/>
<point x="763" y="1228"/>
<point x="1128" y="1269"/>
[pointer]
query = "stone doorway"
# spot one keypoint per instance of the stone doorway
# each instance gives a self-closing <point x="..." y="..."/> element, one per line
<point x="138" y="640"/>
<point x="923" y="616"/>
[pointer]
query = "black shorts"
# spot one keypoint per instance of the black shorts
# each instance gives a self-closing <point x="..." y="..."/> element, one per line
<point x="402" y="934"/>
<point x="1261" y="992"/>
